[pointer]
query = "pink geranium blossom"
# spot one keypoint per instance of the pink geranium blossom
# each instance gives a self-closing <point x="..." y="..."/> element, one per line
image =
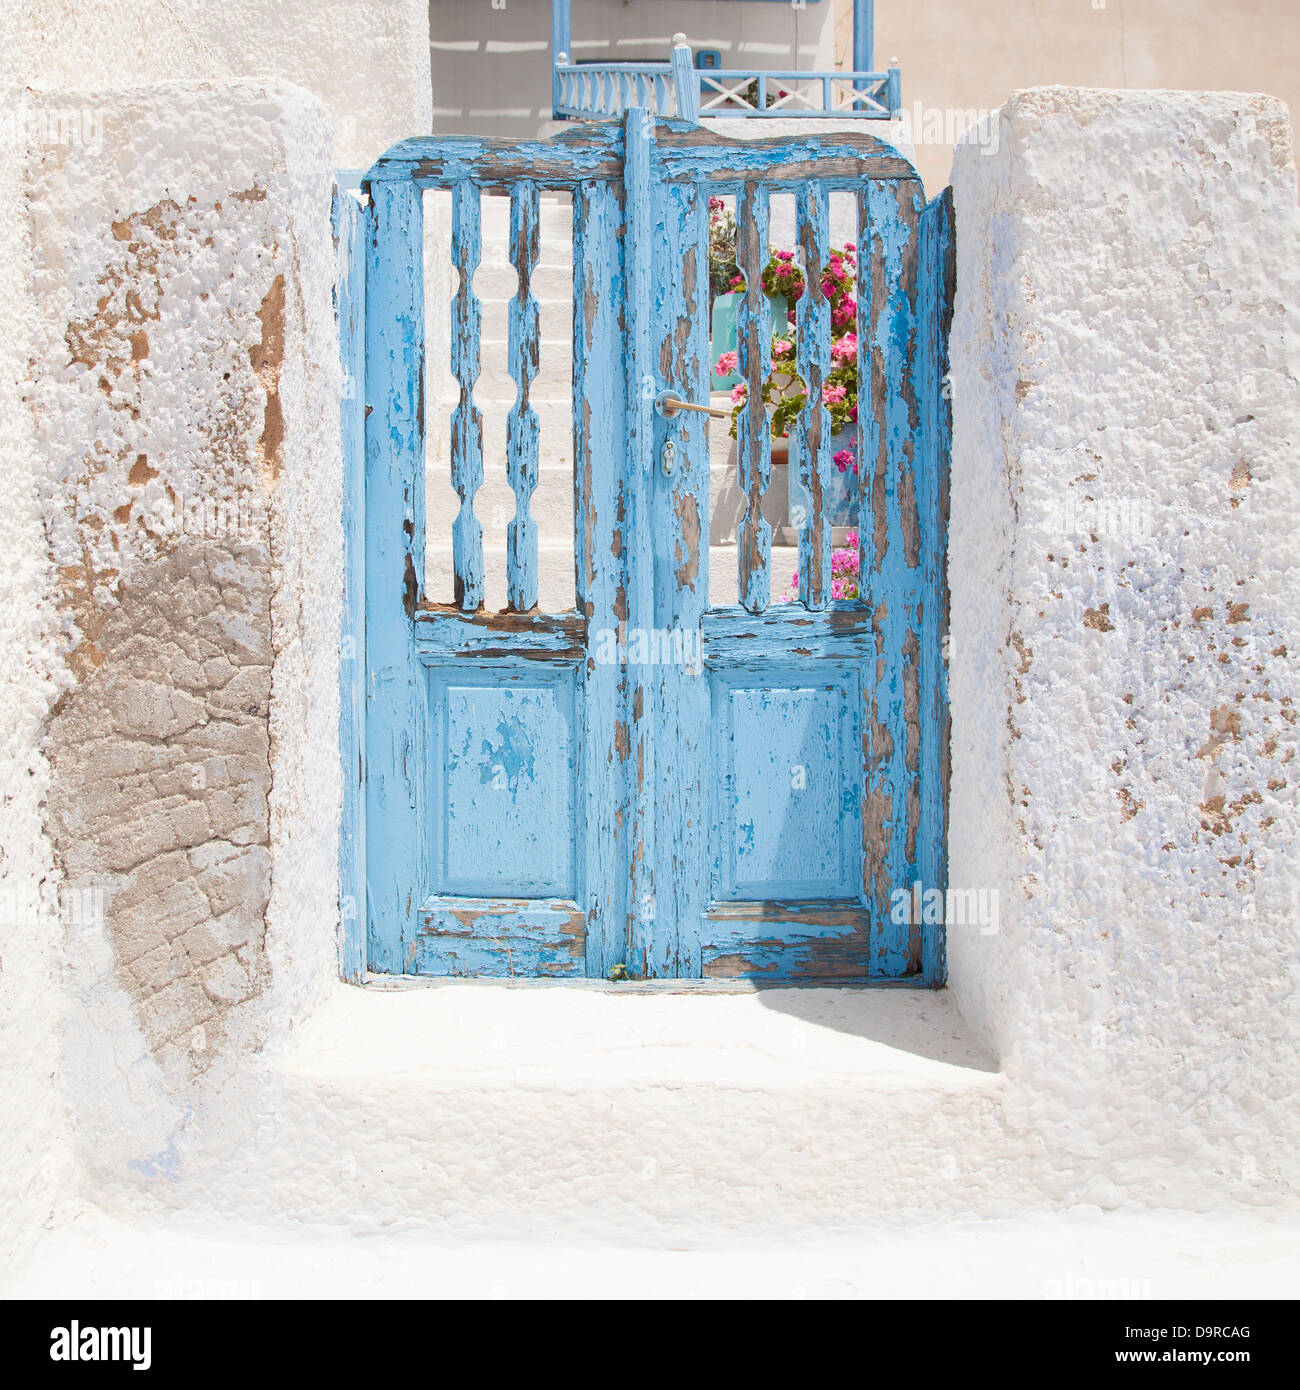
<point x="738" y="393"/>
<point x="726" y="364"/>
<point x="845" y="347"/>
<point x="832" y="395"/>
<point x="843" y="459"/>
<point x="844" y="572"/>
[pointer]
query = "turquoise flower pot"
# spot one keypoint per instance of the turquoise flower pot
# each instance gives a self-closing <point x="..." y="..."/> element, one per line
<point x="722" y="337"/>
<point x="722" y="334"/>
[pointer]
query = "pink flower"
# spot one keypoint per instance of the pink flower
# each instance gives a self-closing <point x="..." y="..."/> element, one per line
<point x="852" y="540"/>
<point x="736" y="282"/>
<point x="785" y="255"/>
<point x="845" y="347"/>
<point x="715" y="204"/>
<point x="781" y="346"/>
<point x="843" y="459"/>
<point x="853" y="412"/>
<point x="832" y="395"/>
<point x="837" y="588"/>
<point x="850" y="246"/>
<point x="738" y="393"/>
<point x="726" y="364"/>
<point x="844" y="312"/>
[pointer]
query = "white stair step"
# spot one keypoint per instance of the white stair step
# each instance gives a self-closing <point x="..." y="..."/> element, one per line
<point x="602" y="1109"/>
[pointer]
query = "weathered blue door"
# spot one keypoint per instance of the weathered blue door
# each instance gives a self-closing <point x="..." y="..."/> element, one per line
<point x="651" y="780"/>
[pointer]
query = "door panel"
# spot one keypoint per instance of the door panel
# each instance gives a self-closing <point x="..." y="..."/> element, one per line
<point x="786" y="784"/>
<point x="504" y="760"/>
<point x="495" y="742"/>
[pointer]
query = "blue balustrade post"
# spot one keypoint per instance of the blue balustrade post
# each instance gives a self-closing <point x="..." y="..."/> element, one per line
<point x="685" y="82"/>
<point x="895" y="90"/>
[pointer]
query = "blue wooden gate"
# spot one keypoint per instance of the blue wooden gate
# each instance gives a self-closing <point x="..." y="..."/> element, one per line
<point x="647" y="781"/>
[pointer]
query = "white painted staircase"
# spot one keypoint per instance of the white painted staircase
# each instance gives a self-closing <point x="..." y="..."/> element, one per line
<point x="504" y="1109"/>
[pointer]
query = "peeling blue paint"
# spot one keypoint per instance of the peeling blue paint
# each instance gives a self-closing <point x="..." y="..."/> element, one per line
<point x="531" y="809"/>
<point x="512" y="757"/>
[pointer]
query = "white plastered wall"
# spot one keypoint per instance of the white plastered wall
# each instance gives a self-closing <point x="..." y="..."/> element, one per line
<point x="1145" y="1027"/>
<point x="369" y="63"/>
<point x="86" y="1094"/>
<point x="1125" y="599"/>
<point x="35" y="1154"/>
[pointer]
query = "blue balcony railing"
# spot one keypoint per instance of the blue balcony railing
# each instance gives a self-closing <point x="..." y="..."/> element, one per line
<point x="678" y="88"/>
<point x="734" y="92"/>
<point x="608" y="89"/>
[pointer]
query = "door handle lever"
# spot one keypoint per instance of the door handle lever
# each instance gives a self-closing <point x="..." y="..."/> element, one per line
<point x="668" y="405"/>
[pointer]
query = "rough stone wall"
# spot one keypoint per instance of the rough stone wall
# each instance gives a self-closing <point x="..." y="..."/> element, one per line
<point x="185" y="384"/>
<point x="1125" y="613"/>
<point x="159" y="791"/>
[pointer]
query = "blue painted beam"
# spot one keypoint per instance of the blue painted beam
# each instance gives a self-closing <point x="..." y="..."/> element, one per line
<point x="734" y="636"/>
<point x="864" y="34"/>
<point x="540" y="938"/>
<point x="593" y="151"/>
<point x="397" y="715"/>
<point x="938" y="285"/>
<point x="889" y="358"/>
<point x="641" y="374"/>
<point x="443" y="633"/>
<point x="601" y="542"/>
<point x="561" y="43"/>
<point x="349" y="227"/>
<point x="679" y="523"/>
